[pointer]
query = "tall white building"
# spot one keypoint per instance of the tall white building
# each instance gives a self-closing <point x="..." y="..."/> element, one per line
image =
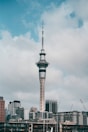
<point x="26" y="114"/>
<point x="12" y="106"/>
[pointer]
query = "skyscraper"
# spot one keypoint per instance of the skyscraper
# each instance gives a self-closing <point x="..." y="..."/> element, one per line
<point x="12" y="106"/>
<point x="42" y="65"/>
<point x="2" y="110"/>
<point x="51" y="106"/>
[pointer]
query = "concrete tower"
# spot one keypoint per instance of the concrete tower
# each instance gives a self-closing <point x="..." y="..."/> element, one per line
<point x="42" y="65"/>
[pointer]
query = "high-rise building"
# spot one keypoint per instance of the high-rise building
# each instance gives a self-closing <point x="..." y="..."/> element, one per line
<point x="20" y="112"/>
<point x="26" y="114"/>
<point x="42" y="65"/>
<point x="2" y="110"/>
<point x="12" y="106"/>
<point x="51" y="106"/>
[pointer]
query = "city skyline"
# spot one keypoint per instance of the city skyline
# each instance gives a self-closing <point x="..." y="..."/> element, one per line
<point x="65" y="36"/>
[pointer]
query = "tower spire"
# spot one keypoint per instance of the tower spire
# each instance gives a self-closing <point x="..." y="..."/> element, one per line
<point x="42" y="35"/>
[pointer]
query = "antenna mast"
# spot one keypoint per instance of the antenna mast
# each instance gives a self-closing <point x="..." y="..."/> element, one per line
<point x="42" y="35"/>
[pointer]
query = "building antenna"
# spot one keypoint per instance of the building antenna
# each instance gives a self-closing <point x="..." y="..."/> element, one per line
<point x="42" y="35"/>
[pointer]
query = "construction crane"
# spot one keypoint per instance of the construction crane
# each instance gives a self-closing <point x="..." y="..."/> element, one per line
<point x="83" y="104"/>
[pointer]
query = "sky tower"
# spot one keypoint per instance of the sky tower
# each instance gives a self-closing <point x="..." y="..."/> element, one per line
<point x="42" y="65"/>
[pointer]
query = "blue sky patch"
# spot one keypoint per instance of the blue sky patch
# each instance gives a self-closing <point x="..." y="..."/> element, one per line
<point x="20" y="16"/>
<point x="80" y="23"/>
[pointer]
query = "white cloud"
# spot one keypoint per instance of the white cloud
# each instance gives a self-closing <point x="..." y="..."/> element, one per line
<point x="17" y="65"/>
<point x="67" y="51"/>
<point x="80" y="7"/>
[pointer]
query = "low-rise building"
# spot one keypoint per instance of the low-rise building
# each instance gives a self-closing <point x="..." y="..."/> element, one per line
<point x="78" y="118"/>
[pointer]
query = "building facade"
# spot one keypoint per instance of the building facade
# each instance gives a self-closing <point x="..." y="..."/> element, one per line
<point x="78" y="118"/>
<point x="12" y="106"/>
<point x="51" y="106"/>
<point x="43" y="126"/>
<point x="2" y="110"/>
<point x="20" y="112"/>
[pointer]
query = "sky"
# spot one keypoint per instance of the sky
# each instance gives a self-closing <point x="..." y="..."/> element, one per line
<point x="66" y="47"/>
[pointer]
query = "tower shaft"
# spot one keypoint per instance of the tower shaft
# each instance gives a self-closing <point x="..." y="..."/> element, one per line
<point x="42" y="95"/>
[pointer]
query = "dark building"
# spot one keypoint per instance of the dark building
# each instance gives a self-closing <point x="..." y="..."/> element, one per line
<point x="40" y="127"/>
<point x="51" y="106"/>
<point x="20" y="112"/>
<point x="27" y="126"/>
